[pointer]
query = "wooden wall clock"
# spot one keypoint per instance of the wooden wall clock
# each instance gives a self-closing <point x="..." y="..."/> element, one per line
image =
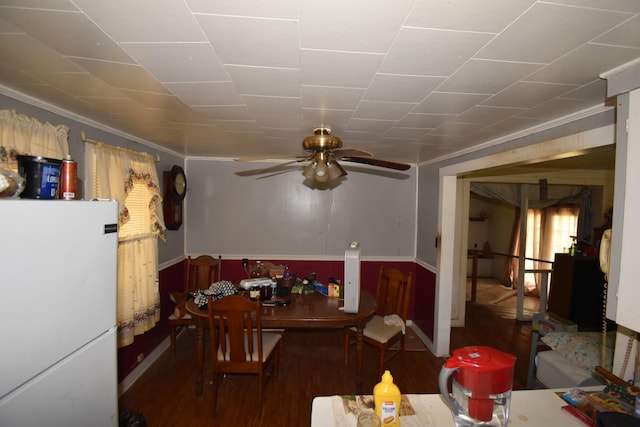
<point x="175" y="188"/>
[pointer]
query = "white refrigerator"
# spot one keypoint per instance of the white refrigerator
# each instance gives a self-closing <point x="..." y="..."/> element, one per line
<point x="58" y="275"/>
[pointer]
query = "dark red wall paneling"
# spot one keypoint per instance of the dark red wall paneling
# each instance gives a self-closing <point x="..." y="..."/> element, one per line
<point x="171" y="279"/>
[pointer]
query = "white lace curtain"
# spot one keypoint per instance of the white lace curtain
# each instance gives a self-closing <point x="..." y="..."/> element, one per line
<point x="117" y="173"/>
<point x="21" y="134"/>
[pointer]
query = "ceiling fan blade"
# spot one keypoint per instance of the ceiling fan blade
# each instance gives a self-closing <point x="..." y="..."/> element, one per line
<point x="349" y="151"/>
<point x="377" y="162"/>
<point x="267" y="169"/>
<point x="271" y="157"/>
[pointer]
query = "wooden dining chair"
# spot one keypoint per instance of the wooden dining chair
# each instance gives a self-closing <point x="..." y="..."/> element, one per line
<point x="241" y="347"/>
<point x="199" y="273"/>
<point x="392" y="296"/>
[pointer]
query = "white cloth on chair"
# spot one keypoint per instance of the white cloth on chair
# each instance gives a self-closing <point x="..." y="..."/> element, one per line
<point x="395" y="320"/>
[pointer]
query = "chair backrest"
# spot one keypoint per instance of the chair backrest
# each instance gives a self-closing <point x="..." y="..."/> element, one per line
<point x="235" y="324"/>
<point x="201" y="272"/>
<point x="393" y="292"/>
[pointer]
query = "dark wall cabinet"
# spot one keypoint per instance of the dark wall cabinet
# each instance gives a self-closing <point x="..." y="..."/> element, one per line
<point x="577" y="291"/>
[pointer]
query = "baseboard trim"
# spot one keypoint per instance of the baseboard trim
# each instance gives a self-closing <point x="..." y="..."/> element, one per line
<point x="143" y="366"/>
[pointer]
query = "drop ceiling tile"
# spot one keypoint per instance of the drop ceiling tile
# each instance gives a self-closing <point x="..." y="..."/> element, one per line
<point x="265" y="81"/>
<point x="272" y="105"/>
<point x="42" y="4"/>
<point x="466" y="15"/>
<point x="278" y="120"/>
<point x="336" y="120"/>
<point x="252" y="41"/>
<point x="526" y="95"/>
<point x="224" y="112"/>
<point x="595" y="90"/>
<point x="427" y="121"/>
<point x="557" y="107"/>
<point x="427" y="52"/>
<point x="487" y="115"/>
<point x="368" y="125"/>
<point x="619" y="5"/>
<point x="82" y="84"/>
<point x="120" y="75"/>
<point x="327" y="97"/>
<point x="206" y="93"/>
<point x="401" y="88"/>
<point x="340" y="25"/>
<point x="526" y="41"/>
<point x="454" y="129"/>
<point x="178" y="62"/>
<point x="397" y="132"/>
<point x="383" y="110"/>
<point x="343" y="69"/>
<point x="11" y="77"/>
<point x="143" y="20"/>
<point x="627" y="34"/>
<point x="285" y="9"/>
<point x="448" y="103"/>
<point x="513" y="124"/>
<point x="482" y="76"/>
<point x="579" y="67"/>
<point x="156" y="100"/>
<point x="53" y="29"/>
<point x="41" y="58"/>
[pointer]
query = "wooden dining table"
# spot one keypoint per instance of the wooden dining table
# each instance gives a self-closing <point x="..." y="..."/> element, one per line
<point x="313" y="310"/>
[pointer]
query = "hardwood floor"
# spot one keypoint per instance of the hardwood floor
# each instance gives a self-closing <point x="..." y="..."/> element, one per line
<point x="312" y="366"/>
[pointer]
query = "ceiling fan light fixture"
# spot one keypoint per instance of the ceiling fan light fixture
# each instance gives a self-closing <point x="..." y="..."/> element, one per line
<point x="309" y="170"/>
<point x="321" y="171"/>
<point x="335" y="170"/>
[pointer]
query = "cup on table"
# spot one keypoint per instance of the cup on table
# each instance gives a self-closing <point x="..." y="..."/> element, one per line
<point x="368" y="419"/>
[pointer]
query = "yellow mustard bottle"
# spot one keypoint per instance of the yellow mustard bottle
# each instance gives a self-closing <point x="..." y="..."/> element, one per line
<point x="386" y="396"/>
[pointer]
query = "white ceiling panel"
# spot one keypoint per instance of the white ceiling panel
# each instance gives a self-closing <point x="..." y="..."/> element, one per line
<point x="396" y="87"/>
<point x="179" y="62"/>
<point x="579" y="68"/>
<point x="253" y="41"/>
<point x="429" y="52"/>
<point x="342" y="69"/>
<point x="481" y="76"/>
<point x="59" y="30"/>
<point x="542" y="34"/>
<point x="331" y="98"/>
<point x="206" y="93"/>
<point x="411" y="80"/>
<point x="265" y="81"/>
<point x="340" y="25"/>
<point x="490" y="16"/>
<point x="526" y="94"/>
<point x="143" y="20"/>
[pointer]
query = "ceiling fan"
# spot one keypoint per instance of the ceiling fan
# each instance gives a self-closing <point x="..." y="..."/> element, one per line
<point x="324" y="152"/>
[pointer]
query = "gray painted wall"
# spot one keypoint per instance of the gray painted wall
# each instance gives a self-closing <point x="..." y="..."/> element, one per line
<point x="279" y="216"/>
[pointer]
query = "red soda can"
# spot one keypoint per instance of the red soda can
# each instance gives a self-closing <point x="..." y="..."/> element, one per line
<point x="68" y="176"/>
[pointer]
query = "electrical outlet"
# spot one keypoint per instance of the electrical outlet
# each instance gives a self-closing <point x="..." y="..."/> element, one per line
<point x="245" y="262"/>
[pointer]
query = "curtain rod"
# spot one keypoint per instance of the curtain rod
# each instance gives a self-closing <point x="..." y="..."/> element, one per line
<point x="114" y="147"/>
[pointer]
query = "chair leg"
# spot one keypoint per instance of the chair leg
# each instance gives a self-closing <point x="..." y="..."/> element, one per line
<point x="346" y="346"/>
<point x="260" y="385"/>
<point x="173" y="339"/>
<point x="381" y="353"/>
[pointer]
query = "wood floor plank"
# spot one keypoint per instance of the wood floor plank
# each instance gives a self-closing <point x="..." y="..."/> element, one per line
<point x="312" y="366"/>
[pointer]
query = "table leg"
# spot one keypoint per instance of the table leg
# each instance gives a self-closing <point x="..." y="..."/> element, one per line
<point x="199" y="357"/>
<point x="359" y="356"/>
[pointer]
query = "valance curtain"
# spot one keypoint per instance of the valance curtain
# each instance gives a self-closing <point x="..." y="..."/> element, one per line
<point x="131" y="178"/>
<point x="21" y="134"/>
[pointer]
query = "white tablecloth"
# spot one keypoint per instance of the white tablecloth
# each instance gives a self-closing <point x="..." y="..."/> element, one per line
<point x="529" y="408"/>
